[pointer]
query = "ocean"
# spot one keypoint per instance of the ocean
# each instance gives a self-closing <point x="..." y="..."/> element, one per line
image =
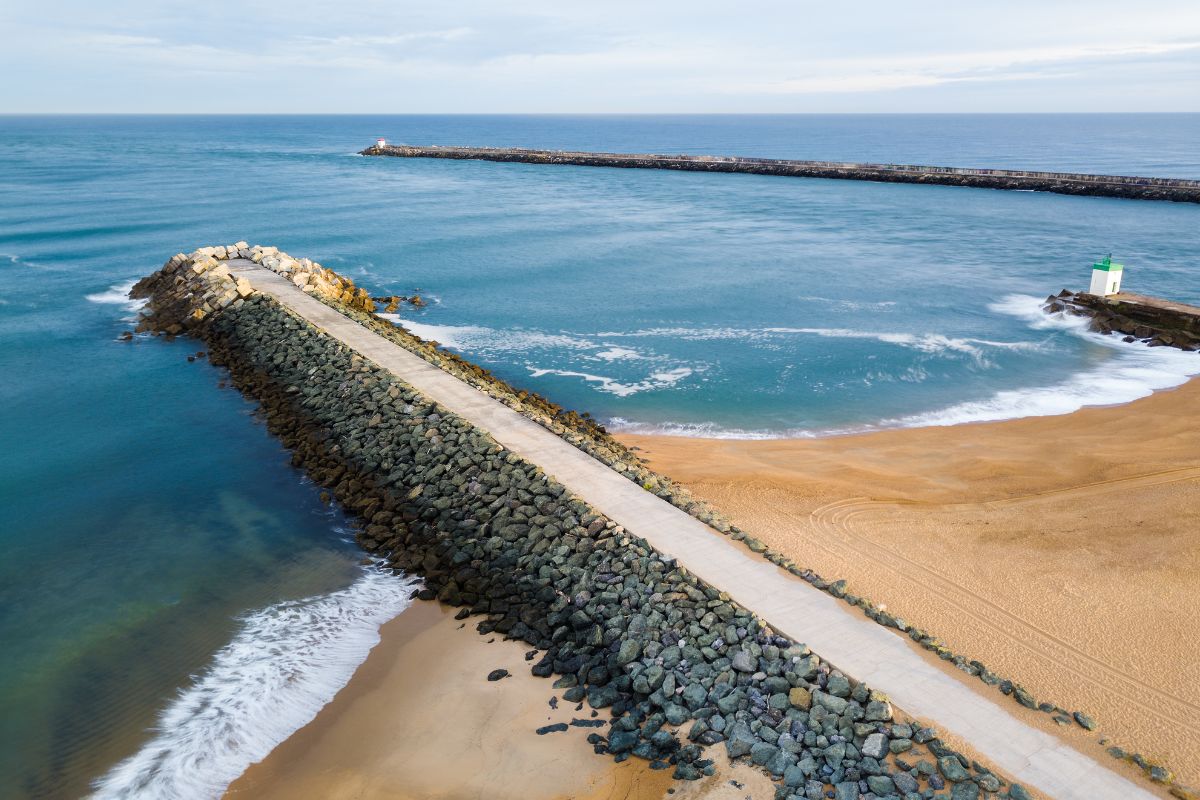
<point x="174" y="597"/>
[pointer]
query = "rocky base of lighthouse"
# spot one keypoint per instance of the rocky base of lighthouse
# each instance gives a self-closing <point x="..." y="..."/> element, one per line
<point x="1157" y="323"/>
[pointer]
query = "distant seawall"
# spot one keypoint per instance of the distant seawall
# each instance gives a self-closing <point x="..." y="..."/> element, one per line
<point x="1135" y="188"/>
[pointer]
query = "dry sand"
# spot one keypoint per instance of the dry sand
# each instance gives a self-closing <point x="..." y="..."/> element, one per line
<point x="1063" y="552"/>
<point x="420" y="721"/>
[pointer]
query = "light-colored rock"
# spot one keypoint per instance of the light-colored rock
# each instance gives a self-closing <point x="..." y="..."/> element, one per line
<point x="876" y="746"/>
<point x="800" y="698"/>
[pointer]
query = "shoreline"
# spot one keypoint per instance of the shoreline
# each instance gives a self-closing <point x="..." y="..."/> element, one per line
<point x="412" y="522"/>
<point x="624" y="430"/>
<point x="419" y="720"/>
<point x="1020" y="530"/>
<point x="338" y="754"/>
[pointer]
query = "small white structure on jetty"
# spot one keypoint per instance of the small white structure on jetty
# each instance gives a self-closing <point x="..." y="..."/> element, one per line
<point x="381" y="142"/>
<point x="1106" y="277"/>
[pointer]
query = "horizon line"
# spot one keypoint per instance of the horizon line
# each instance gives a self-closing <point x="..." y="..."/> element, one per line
<point x="577" y="113"/>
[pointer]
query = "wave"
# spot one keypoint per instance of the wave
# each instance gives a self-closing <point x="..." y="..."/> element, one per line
<point x="284" y="664"/>
<point x="14" y="259"/>
<point x="705" y="430"/>
<point x="1132" y="372"/>
<point x="929" y="343"/>
<point x="118" y="294"/>
<point x="479" y="339"/>
<point x="1028" y="309"/>
<point x="849" y="305"/>
<point x="620" y="354"/>
<point x="484" y="341"/>
<point x="1107" y="386"/>
<point x="656" y="380"/>
<point x="1135" y="372"/>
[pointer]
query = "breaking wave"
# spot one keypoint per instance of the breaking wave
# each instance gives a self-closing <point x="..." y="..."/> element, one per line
<point x="484" y="341"/>
<point x="656" y="380"/>
<point x="705" y="430"/>
<point x="118" y="294"/>
<point x="284" y="664"/>
<point x="927" y="343"/>
<point x="1129" y="372"/>
<point x="1135" y="371"/>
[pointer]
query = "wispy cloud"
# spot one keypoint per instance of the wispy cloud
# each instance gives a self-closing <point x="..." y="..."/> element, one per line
<point x="906" y="72"/>
<point x="546" y="55"/>
<point x="117" y="40"/>
<point x="391" y="40"/>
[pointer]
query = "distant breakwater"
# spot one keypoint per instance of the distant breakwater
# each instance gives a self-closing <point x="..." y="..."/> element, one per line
<point x="1130" y="187"/>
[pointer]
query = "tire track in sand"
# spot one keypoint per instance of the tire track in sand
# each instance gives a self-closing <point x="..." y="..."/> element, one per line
<point x="837" y="520"/>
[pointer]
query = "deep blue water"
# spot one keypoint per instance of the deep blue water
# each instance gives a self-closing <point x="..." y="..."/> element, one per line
<point x="147" y="519"/>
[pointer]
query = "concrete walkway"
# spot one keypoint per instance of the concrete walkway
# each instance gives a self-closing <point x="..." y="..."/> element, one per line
<point x="857" y="646"/>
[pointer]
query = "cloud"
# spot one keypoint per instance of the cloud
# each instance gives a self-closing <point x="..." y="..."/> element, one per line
<point x="906" y="72"/>
<point x="548" y="56"/>
<point x="367" y="41"/>
<point x="118" y="40"/>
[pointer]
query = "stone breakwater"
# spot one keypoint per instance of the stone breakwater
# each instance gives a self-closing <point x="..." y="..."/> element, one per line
<point x="1131" y="187"/>
<point x="201" y="282"/>
<point x="178" y="290"/>
<point x="679" y="666"/>
<point x="1157" y="323"/>
<point x="189" y="289"/>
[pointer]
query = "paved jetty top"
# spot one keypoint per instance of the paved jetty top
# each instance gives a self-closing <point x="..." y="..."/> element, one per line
<point x="1127" y="186"/>
<point x="857" y="646"/>
<point x="1156" y="303"/>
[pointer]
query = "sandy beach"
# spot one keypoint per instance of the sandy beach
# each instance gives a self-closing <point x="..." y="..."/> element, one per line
<point x="1061" y="551"/>
<point x="421" y="721"/>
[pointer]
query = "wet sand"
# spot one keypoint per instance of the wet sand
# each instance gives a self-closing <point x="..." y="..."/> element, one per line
<point x="1063" y="552"/>
<point x="420" y="721"/>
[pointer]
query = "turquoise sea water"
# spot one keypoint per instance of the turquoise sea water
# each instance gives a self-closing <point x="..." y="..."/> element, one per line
<point x="153" y="534"/>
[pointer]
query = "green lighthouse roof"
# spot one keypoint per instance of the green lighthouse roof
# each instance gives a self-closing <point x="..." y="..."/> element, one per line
<point x="1107" y="265"/>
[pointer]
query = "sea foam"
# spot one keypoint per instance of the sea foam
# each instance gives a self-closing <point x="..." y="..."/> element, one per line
<point x="1130" y="372"/>
<point x="479" y="341"/>
<point x="284" y="664"/>
<point x="656" y="380"/>
<point x="1134" y="371"/>
<point x="118" y="294"/>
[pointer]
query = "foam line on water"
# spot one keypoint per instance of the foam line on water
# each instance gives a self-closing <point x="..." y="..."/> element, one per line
<point x="705" y="430"/>
<point x="656" y="380"/>
<point x="284" y="664"/>
<point x="1134" y="371"/>
<point x="927" y="343"/>
<point x="1130" y="372"/>
<point x="480" y="341"/>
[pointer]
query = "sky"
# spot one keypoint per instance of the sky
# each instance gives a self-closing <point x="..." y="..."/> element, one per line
<point x="605" y="56"/>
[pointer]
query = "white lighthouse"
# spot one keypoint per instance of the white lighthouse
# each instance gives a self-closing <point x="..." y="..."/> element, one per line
<point x="1106" y="277"/>
<point x="380" y="143"/>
